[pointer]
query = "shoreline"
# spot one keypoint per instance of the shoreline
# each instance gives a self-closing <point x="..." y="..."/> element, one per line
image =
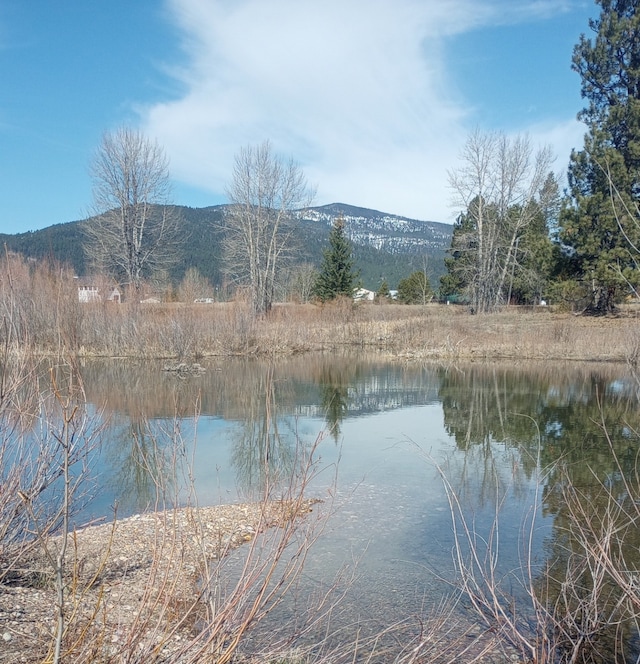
<point x="130" y="574"/>
<point x="408" y="332"/>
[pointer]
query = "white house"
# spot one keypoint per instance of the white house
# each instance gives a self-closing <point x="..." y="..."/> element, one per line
<point x="88" y="294"/>
<point x="362" y="294"/>
<point x="89" y="291"/>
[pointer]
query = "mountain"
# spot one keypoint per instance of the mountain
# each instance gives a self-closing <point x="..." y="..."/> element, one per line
<point x="384" y="231"/>
<point x="386" y="246"/>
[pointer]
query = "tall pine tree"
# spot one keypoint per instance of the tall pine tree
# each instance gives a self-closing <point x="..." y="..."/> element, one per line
<point x="604" y="178"/>
<point x="337" y="275"/>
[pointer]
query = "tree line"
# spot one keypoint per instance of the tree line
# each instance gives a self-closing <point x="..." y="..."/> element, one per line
<point x="518" y="239"/>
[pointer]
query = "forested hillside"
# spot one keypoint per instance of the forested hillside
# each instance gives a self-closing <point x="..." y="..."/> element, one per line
<point x="385" y="246"/>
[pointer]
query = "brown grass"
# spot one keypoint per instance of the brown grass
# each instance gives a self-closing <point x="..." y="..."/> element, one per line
<point x="39" y="307"/>
<point x="422" y="332"/>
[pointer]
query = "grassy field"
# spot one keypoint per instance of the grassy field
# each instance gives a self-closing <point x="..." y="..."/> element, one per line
<point x="40" y="312"/>
<point x="434" y="331"/>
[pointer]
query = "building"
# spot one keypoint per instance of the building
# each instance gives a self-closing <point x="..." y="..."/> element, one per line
<point x="89" y="290"/>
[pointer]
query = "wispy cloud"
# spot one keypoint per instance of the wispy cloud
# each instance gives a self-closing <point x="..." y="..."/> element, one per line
<point x="358" y="93"/>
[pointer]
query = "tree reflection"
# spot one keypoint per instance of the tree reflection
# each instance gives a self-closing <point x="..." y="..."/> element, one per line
<point x="264" y="449"/>
<point x="334" y="381"/>
<point x="147" y="464"/>
<point x="580" y="428"/>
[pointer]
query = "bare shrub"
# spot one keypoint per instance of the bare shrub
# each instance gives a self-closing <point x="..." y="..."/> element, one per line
<point x="194" y="286"/>
<point x="582" y="604"/>
<point x="41" y="303"/>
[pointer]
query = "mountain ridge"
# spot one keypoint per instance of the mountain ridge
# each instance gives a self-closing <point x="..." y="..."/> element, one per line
<point x="386" y="246"/>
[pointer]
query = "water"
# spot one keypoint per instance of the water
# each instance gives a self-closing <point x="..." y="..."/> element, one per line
<point x="515" y="435"/>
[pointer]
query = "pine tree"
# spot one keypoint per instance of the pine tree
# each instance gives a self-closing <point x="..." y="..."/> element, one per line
<point x="604" y="177"/>
<point x="460" y="263"/>
<point x="383" y="292"/>
<point x="337" y="275"/>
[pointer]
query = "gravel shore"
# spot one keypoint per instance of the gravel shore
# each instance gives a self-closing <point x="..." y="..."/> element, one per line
<point x="133" y="572"/>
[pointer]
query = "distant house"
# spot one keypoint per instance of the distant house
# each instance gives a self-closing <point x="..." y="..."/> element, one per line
<point x="90" y="291"/>
<point x="362" y="294"/>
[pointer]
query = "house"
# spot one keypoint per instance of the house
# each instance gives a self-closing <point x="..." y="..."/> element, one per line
<point x="89" y="290"/>
<point x="88" y="293"/>
<point x="364" y="295"/>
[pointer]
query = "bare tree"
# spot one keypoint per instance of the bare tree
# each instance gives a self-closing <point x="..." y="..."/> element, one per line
<point x="501" y="187"/>
<point x="194" y="286"/>
<point x="265" y="192"/>
<point x="134" y="234"/>
<point x="302" y="280"/>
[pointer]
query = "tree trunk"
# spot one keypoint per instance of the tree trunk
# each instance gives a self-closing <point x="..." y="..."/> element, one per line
<point x="602" y="302"/>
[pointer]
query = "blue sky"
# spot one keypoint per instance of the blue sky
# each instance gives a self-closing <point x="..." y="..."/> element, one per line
<point x="373" y="98"/>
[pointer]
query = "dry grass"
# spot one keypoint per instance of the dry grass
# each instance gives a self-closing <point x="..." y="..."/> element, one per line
<point x="422" y="332"/>
<point x="39" y="305"/>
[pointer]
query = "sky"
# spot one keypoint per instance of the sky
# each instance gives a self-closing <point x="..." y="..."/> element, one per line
<point x="373" y="99"/>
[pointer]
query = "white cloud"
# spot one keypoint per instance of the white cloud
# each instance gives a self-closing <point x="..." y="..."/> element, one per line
<point x="357" y="92"/>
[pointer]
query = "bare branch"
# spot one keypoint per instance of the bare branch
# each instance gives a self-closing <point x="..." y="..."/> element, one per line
<point x="134" y="234"/>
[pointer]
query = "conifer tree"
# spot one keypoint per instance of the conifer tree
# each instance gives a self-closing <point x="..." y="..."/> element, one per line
<point x="455" y="282"/>
<point x="602" y="239"/>
<point x="383" y="292"/>
<point x="337" y="275"/>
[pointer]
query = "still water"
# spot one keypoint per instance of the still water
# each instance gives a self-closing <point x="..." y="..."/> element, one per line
<point x="387" y="433"/>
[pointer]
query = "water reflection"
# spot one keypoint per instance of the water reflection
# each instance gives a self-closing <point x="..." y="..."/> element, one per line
<point x="334" y="382"/>
<point x="266" y="409"/>
<point x="144" y="465"/>
<point x="264" y="442"/>
<point x="501" y="433"/>
<point x="543" y="416"/>
<point x="569" y="421"/>
<point x="578" y="429"/>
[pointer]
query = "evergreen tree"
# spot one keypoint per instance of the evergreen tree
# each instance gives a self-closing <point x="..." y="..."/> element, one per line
<point x="604" y="178"/>
<point x="460" y="263"/>
<point x="337" y="275"/>
<point x="383" y="292"/>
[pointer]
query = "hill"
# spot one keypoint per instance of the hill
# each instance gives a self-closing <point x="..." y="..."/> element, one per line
<point x="386" y="246"/>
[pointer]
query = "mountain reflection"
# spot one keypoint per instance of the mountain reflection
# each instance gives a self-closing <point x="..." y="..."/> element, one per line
<point x="261" y="400"/>
<point x="545" y="414"/>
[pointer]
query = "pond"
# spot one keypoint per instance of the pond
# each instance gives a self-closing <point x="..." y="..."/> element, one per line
<point x="402" y="448"/>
